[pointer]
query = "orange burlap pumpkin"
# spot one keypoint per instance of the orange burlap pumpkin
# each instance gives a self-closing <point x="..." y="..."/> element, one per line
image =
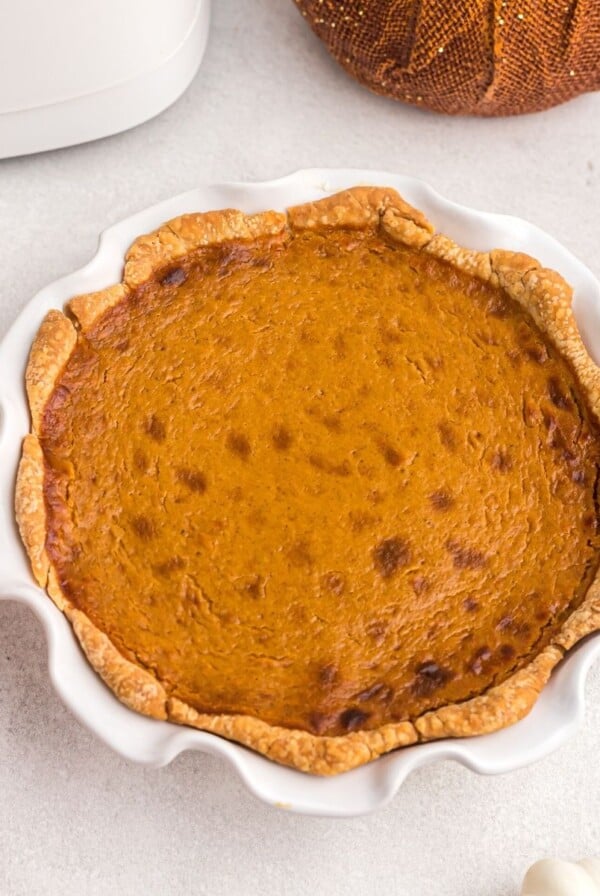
<point x="482" y="57"/>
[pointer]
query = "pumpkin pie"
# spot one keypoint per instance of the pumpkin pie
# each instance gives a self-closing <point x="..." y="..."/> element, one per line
<point x="322" y="482"/>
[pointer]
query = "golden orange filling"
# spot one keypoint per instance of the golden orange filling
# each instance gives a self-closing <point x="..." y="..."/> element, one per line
<point x="324" y="480"/>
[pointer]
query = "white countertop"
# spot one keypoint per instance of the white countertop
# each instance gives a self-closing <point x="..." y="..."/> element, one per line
<point x="76" y="819"/>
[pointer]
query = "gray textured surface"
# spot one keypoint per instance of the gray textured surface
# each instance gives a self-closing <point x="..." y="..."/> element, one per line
<point x="76" y="819"/>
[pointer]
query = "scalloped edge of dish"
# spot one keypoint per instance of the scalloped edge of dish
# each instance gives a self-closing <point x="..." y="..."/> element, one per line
<point x="559" y="710"/>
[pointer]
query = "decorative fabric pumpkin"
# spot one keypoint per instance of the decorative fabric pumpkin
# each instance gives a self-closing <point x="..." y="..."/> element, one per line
<point x="553" y="877"/>
<point x="482" y="57"/>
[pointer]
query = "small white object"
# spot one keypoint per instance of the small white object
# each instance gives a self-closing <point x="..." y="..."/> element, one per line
<point x="75" y="71"/>
<point x="559" y="710"/>
<point x="555" y="877"/>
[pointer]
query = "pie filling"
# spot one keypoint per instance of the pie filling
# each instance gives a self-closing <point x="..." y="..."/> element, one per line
<point x="321" y="480"/>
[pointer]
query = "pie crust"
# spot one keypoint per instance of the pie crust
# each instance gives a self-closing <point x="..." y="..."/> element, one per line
<point x="542" y="292"/>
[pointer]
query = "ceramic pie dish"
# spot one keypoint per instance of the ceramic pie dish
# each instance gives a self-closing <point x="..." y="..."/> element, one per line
<point x="394" y="541"/>
<point x="380" y="552"/>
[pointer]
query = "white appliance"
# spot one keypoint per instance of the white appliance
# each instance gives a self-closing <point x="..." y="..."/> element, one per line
<point x="75" y="70"/>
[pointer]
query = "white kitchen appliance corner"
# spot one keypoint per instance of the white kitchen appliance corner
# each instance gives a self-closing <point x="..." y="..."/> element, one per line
<point x="71" y="72"/>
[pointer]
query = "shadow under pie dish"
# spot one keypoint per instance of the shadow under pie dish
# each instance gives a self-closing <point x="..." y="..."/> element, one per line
<point x="321" y="482"/>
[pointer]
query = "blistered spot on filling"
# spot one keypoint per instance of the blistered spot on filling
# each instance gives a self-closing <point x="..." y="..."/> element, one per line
<point x="174" y="277"/>
<point x="353" y="719"/>
<point x="441" y="500"/>
<point x="143" y="527"/>
<point x="501" y="461"/>
<point x="282" y="439"/>
<point x="155" y="428"/>
<point x="194" y="480"/>
<point x="390" y="455"/>
<point x="429" y="678"/>
<point x="464" y="556"/>
<point x="238" y="444"/>
<point x="389" y="555"/>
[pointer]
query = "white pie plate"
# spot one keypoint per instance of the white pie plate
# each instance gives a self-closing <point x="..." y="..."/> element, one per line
<point x="559" y="710"/>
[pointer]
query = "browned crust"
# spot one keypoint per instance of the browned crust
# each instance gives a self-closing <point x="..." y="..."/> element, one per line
<point x="183" y="235"/>
<point x="542" y="292"/>
<point x="299" y="749"/>
<point x="29" y="507"/>
<point x="359" y="208"/>
<point x="51" y="349"/>
<point x="136" y="688"/>
<point x="496" y="708"/>
<point x="88" y="308"/>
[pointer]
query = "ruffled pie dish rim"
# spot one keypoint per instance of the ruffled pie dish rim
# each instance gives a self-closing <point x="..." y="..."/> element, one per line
<point x="296" y="189"/>
<point x="545" y="296"/>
